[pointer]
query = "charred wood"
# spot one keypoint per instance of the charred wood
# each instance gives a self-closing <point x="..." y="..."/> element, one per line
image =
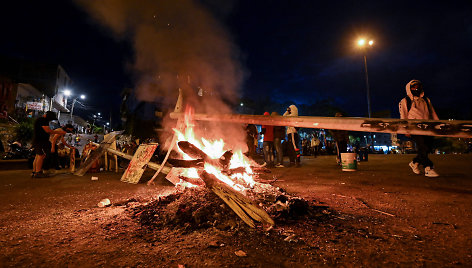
<point x="197" y="163"/>
<point x="248" y="211"/>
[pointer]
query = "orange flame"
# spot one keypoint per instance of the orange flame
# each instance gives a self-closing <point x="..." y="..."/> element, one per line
<point x="215" y="149"/>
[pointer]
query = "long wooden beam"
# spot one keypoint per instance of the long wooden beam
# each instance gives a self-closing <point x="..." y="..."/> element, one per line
<point x="444" y="128"/>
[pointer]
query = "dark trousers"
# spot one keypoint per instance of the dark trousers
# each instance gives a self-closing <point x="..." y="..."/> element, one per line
<point x="342" y="147"/>
<point x="424" y="145"/>
<point x="293" y="154"/>
<point x="268" y="148"/>
<point x="278" y="150"/>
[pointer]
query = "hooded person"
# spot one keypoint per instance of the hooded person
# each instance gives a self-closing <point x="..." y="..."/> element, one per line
<point x="416" y="106"/>
<point x="268" y="143"/>
<point x="292" y="138"/>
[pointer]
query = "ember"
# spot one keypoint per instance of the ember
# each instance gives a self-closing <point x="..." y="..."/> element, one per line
<point x="198" y="208"/>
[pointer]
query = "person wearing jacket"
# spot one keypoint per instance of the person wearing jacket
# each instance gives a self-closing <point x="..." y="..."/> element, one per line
<point x="279" y="135"/>
<point x="268" y="143"/>
<point x="416" y="106"/>
<point x="293" y="138"/>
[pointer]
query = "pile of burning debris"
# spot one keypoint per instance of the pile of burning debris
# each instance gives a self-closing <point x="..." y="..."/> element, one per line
<point x="200" y="208"/>
<point x="211" y="181"/>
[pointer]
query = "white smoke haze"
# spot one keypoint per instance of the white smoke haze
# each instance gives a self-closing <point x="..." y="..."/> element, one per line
<point x="177" y="44"/>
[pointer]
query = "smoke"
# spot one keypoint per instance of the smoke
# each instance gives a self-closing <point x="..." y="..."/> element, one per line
<point x="177" y="44"/>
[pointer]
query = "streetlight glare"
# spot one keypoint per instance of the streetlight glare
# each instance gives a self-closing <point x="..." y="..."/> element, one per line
<point x="82" y="97"/>
<point x="361" y="42"/>
<point x="98" y="113"/>
<point x="67" y="92"/>
<point x="371" y="42"/>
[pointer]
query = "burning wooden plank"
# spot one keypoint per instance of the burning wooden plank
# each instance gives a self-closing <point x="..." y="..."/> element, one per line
<point x="194" y="152"/>
<point x="240" y="204"/>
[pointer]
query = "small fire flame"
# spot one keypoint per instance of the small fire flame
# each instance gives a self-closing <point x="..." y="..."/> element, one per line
<point x="215" y="149"/>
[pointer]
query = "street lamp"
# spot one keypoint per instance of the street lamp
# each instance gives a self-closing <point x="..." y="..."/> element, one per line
<point x="363" y="44"/>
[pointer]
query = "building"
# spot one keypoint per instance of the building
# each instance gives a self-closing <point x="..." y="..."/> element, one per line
<point x="50" y="79"/>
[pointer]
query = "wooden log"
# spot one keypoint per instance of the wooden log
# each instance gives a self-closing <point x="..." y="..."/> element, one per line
<point x="194" y="152"/>
<point x="180" y="163"/>
<point x="444" y="128"/>
<point x="240" y="204"/>
<point x="194" y="181"/>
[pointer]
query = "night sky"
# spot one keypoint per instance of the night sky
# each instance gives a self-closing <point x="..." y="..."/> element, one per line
<point x="301" y="51"/>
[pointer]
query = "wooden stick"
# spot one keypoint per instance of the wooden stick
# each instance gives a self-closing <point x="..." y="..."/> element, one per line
<point x="160" y="169"/>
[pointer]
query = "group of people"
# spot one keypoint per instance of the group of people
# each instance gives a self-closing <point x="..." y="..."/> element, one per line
<point x="273" y="138"/>
<point x="48" y="143"/>
<point x="414" y="106"/>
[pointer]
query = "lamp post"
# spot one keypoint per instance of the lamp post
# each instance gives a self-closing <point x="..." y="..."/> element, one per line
<point x="82" y="97"/>
<point x="362" y="44"/>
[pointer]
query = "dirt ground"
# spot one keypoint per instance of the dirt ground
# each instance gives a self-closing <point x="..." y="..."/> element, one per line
<point x="380" y="215"/>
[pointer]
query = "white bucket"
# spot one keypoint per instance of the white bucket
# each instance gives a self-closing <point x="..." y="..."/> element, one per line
<point x="349" y="161"/>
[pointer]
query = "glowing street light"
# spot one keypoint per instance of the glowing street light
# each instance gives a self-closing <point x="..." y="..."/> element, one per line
<point x="67" y="92"/>
<point x="362" y="43"/>
<point x="82" y="97"/>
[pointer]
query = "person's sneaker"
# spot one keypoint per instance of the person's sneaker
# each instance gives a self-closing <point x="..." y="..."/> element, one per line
<point x="429" y="172"/>
<point x="40" y="175"/>
<point x="279" y="165"/>
<point x="414" y="167"/>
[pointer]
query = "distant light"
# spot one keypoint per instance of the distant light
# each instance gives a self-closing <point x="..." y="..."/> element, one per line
<point x="242" y="104"/>
<point x="98" y="113"/>
<point x="361" y="42"/>
<point x="108" y="123"/>
<point x="371" y="42"/>
<point x="67" y="92"/>
<point x="82" y="96"/>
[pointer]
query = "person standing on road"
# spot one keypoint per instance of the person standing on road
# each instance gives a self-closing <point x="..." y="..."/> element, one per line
<point x="416" y="106"/>
<point x="279" y="135"/>
<point x="292" y="138"/>
<point x="268" y="143"/>
<point x="41" y="143"/>
<point x="341" y="137"/>
<point x="315" y="143"/>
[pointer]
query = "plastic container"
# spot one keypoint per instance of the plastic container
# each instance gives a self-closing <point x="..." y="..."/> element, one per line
<point x="104" y="203"/>
<point x="349" y="161"/>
